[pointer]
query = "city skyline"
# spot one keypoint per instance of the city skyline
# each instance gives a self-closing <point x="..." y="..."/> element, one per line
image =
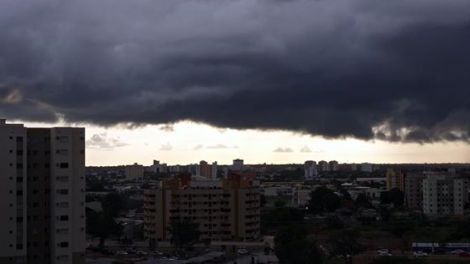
<point x="173" y="144"/>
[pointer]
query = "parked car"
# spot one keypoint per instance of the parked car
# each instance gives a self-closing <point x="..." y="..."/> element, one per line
<point x="122" y="253"/>
<point x="420" y="254"/>
<point x="242" y="251"/>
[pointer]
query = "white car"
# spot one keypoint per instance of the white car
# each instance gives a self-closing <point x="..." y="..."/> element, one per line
<point x="420" y="254"/>
<point x="384" y="250"/>
<point x="242" y="251"/>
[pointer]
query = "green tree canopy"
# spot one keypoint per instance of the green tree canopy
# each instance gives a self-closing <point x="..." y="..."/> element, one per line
<point x="344" y="244"/>
<point x="395" y="196"/>
<point x="274" y="218"/>
<point x="362" y="201"/>
<point x="292" y="246"/>
<point x="112" y="204"/>
<point x="323" y="200"/>
<point x="102" y="225"/>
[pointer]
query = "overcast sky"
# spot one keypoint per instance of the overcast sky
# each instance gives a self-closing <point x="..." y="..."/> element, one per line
<point x="365" y="77"/>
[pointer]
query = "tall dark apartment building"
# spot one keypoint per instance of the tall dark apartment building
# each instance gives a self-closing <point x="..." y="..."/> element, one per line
<point x="42" y="186"/>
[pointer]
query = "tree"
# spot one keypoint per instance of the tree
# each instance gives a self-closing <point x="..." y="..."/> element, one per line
<point x="292" y="246"/>
<point x="183" y="233"/>
<point x="102" y="225"/>
<point x="112" y="204"/>
<point x="323" y="200"/>
<point x="362" y="201"/>
<point x="395" y="196"/>
<point x="275" y="218"/>
<point x="344" y="244"/>
<point x="400" y="229"/>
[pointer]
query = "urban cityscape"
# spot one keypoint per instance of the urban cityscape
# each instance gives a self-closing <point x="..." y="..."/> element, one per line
<point x="234" y="132"/>
<point x="58" y="210"/>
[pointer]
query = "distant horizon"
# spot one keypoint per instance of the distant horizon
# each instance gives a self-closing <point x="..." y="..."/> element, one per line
<point x="282" y="164"/>
<point x="190" y="142"/>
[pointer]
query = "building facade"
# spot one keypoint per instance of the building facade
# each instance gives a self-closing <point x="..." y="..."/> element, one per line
<point x="333" y="165"/>
<point x="310" y="170"/>
<point x="134" y="172"/>
<point x="323" y="166"/>
<point x="226" y="209"/>
<point x="52" y="192"/>
<point x="444" y="194"/>
<point x="13" y="230"/>
<point x="206" y="170"/>
<point x="395" y="179"/>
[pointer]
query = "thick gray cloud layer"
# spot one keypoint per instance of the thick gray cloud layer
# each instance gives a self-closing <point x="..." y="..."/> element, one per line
<point x="397" y="70"/>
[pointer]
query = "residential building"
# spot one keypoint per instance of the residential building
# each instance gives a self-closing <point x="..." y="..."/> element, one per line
<point x="13" y="229"/>
<point x="225" y="209"/>
<point x="366" y="167"/>
<point x="134" y="171"/>
<point x="206" y="170"/>
<point x="444" y="194"/>
<point x="395" y="179"/>
<point x="323" y="166"/>
<point x="237" y="165"/>
<point x="333" y="165"/>
<point x="413" y="184"/>
<point x="47" y="166"/>
<point x="310" y="168"/>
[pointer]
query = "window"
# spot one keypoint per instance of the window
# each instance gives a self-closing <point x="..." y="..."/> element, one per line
<point x="62" y="204"/>
<point x="62" y="231"/>
<point x="63" y="244"/>
<point x="62" y="191"/>
<point x="63" y="165"/>
<point x="62" y="178"/>
<point x="62" y="151"/>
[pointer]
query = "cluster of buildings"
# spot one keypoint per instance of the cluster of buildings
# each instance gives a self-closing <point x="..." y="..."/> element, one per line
<point x="314" y="170"/>
<point x="435" y="193"/>
<point x="43" y="194"/>
<point x="136" y="172"/>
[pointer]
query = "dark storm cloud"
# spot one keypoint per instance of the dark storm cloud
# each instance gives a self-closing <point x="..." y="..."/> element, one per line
<point x="394" y="70"/>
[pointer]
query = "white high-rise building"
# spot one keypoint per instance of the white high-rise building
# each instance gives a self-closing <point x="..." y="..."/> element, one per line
<point x="333" y="165"/>
<point x="43" y="178"/>
<point x="323" y="166"/>
<point x="444" y="194"/>
<point x="310" y="168"/>
<point x="214" y="170"/>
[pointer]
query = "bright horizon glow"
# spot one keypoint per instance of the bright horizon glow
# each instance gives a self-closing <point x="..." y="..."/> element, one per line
<point x="188" y="142"/>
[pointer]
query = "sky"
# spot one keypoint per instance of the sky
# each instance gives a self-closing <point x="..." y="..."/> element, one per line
<point x="265" y="80"/>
